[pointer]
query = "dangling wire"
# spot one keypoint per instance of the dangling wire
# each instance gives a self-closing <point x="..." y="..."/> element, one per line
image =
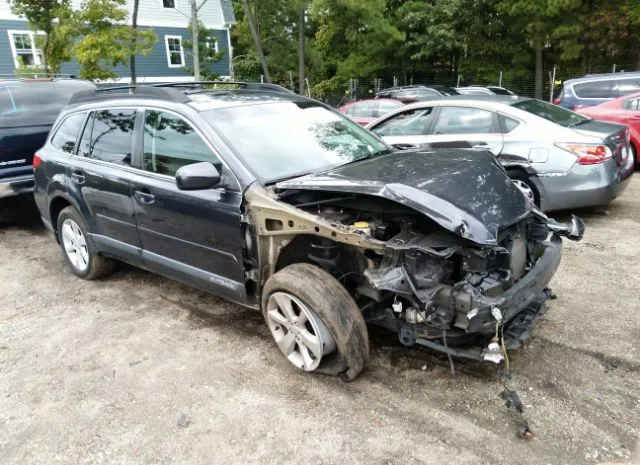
<point x="446" y="346"/>
<point x="504" y="352"/>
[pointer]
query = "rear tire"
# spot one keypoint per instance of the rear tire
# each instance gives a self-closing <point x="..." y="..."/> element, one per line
<point x="634" y="154"/>
<point x="77" y="247"/>
<point x="314" y="293"/>
<point x="526" y="186"/>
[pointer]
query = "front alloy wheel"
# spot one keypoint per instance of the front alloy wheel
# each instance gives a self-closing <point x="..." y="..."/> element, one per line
<point x="299" y="333"/>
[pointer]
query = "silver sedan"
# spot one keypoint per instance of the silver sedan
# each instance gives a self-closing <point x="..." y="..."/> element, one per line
<point x="560" y="159"/>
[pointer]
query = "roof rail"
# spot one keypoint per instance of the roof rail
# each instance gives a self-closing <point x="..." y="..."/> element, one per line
<point x="134" y="92"/>
<point x="242" y="85"/>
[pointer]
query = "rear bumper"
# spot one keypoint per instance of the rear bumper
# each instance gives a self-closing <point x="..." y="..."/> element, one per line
<point x="584" y="185"/>
<point x="16" y="185"/>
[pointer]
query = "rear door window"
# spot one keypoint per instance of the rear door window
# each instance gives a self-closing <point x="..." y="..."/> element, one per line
<point x="67" y="134"/>
<point x="170" y="142"/>
<point x="464" y="120"/>
<point x="593" y="89"/>
<point x="111" y="136"/>
<point x="408" y="123"/>
<point x="385" y="107"/>
<point x="364" y="109"/>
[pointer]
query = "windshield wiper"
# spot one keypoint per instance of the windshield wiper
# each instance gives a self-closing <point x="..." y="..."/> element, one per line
<point x="368" y="156"/>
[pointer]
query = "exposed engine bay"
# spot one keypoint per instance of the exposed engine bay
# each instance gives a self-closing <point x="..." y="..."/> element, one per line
<point x="408" y="274"/>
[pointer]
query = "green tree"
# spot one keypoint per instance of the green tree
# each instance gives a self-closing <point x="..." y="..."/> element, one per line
<point x="51" y="17"/>
<point x="543" y="22"/>
<point x="207" y="51"/>
<point x="351" y="37"/>
<point x="105" y="40"/>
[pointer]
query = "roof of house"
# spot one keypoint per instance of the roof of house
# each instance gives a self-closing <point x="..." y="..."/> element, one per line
<point x="227" y="12"/>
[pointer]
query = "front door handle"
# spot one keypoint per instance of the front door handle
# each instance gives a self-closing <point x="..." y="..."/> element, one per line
<point x="77" y="176"/>
<point x="144" y="195"/>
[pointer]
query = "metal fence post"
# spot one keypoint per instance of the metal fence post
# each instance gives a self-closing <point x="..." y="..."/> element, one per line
<point x="614" y="68"/>
<point x="553" y="84"/>
<point x="500" y="80"/>
<point x="458" y="81"/>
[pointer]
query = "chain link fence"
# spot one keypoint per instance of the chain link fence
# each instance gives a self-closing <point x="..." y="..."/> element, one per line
<point x="520" y="83"/>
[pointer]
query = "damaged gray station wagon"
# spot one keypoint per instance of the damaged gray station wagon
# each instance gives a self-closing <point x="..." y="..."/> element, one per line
<point x="277" y="202"/>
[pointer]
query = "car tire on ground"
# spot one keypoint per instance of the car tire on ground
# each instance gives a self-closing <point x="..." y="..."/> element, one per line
<point x="77" y="247"/>
<point x="634" y="154"/>
<point x="526" y="186"/>
<point x="315" y="322"/>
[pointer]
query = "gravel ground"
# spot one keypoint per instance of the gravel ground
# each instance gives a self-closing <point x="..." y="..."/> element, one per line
<point x="138" y="369"/>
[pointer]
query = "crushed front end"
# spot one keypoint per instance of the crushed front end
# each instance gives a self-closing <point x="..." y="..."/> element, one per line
<point x="455" y="296"/>
<point x="432" y="285"/>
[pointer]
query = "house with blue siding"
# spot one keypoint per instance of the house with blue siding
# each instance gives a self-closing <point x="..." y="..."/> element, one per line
<point x="169" y="19"/>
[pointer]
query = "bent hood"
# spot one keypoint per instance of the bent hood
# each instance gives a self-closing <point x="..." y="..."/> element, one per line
<point x="466" y="192"/>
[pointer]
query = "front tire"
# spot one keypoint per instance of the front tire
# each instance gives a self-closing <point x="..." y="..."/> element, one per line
<point x="315" y="322"/>
<point x="77" y="248"/>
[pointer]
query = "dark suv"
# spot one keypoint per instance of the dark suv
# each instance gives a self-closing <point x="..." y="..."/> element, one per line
<point x="277" y="202"/>
<point x="28" y="109"/>
<point x="414" y="93"/>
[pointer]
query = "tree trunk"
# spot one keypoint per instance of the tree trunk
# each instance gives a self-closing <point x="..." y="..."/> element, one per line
<point x="195" y="42"/>
<point x="45" y="51"/>
<point x="301" y="21"/>
<point x="256" y="40"/>
<point x="134" y="36"/>
<point x="538" y="81"/>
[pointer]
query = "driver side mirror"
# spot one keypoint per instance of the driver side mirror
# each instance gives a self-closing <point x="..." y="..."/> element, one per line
<point x="197" y="176"/>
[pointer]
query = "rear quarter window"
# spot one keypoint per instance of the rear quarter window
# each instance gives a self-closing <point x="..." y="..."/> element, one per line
<point x="67" y="133"/>
<point x="625" y="87"/>
<point x="6" y="103"/>
<point x="508" y="124"/>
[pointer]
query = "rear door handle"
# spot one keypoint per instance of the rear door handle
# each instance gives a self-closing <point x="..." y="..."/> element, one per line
<point x="144" y="195"/>
<point x="77" y="176"/>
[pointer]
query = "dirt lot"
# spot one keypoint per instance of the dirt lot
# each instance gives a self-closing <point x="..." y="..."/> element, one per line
<point x="103" y="372"/>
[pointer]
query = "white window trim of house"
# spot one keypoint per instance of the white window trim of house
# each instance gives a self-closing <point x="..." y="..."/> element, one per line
<point x="166" y="7"/>
<point x="34" y="50"/>
<point x="166" y="45"/>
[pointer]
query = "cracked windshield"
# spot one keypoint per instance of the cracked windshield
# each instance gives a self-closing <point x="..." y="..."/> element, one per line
<point x="293" y="138"/>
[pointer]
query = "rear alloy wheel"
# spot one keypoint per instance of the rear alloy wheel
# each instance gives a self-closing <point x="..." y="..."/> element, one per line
<point x="77" y="247"/>
<point x="526" y="187"/>
<point x="315" y="322"/>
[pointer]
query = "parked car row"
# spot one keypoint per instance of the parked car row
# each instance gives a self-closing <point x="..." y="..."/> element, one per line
<point x="326" y="230"/>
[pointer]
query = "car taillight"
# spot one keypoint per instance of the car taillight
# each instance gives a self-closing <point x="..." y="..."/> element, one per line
<point x="588" y="154"/>
<point x="36" y="161"/>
